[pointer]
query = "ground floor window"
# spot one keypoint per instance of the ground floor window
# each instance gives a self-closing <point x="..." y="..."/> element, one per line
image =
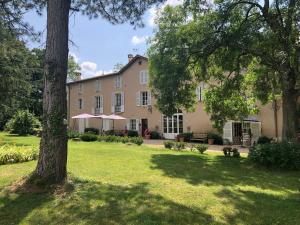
<point x="173" y="124"/>
<point x="132" y="124"/>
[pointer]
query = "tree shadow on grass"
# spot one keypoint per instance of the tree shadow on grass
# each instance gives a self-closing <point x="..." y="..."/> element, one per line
<point x="96" y="203"/>
<point x="220" y="170"/>
<point x="260" y="207"/>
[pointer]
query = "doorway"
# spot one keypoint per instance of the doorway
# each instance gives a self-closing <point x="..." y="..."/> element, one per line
<point x="237" y="133"/>
<point x="144" y="126"/>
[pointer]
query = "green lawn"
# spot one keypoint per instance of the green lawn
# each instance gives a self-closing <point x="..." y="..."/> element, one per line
<point x="121" y="184"/>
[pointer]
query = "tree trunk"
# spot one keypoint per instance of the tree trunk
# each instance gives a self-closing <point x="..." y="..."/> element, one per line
<point x="52" y="163"/>
<point x="289" y="108"/>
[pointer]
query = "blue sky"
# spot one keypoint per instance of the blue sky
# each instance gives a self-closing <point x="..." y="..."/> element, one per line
<point x="99" y="45"/>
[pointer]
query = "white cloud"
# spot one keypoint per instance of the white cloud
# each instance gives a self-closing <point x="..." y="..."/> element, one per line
<point x="136" y="40"/>
<point x="88" y="66"/>
<point x="156" y="10"/>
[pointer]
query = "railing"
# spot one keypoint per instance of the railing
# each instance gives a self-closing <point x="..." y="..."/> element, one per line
<point x="97" y="111"/>
<point x="117" y="108"/>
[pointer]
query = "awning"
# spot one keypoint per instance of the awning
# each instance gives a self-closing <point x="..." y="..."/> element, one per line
<point x="83" y="116"/>
<point x="115" y="117"/>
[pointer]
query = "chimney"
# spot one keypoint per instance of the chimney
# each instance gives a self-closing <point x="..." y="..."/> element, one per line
<point x="77" y="75"/>
<point x="130" y="57"/>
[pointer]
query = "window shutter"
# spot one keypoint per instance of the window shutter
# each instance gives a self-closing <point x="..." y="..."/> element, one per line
<point x="146" y="77"/>
<point x="198" y="92"/>
<point x="113" y="102"/>
<point x="101" y="104"/>
<point x="149" y="97"/>
<point x="138" y="98"/>
<point x="141" y="77"/>
<point x="82" y="104"/>
<point x="122" y="102"/>
<point x="202" y="91"/>
<point x="137" y="124"/>
<point x="255" y="130"/>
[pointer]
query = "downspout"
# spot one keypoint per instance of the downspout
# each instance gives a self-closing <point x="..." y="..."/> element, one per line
<point x="275" y="109"/>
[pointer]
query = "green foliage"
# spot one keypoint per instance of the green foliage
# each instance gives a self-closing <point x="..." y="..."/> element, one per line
<point x="23" y="123"/>
<point x="284" y="155"/>
<point x="155" y="135"/>
<point x="132" y="133"/>
<point x="73" y="68"/>
<point x="233" y="152"/>
<point x="91" y="130"/>
<point x="169" y="144"/>
<point x="218" y="139"/>
<point x="264" y="140"/>
<point x="14" y="154"/>
<point x="88" y="137"/>
<point x="179" y="145"/>
<point x="113" y="138"/>
<point x="73" y="134"/>
<point x="201" y="148"/>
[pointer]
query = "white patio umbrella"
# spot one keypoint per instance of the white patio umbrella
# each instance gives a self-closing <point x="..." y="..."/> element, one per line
<point x="83" y="116"/>
<point x="114" y="117"/>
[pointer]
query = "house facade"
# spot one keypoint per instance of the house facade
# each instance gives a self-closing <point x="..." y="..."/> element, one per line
<point x="126" y="93"/>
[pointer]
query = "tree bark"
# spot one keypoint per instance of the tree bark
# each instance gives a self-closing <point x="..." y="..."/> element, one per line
<point x="52" y="163"/>
<point x="289" y="108"/>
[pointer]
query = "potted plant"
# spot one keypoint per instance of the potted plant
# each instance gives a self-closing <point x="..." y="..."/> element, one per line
<point x="210" y="138"/>
<point x="180" y="138"/>
<point x="147" y="134"/>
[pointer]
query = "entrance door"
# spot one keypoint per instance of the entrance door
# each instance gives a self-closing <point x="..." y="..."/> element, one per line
<point x="144" y="126"/>
<point x="173" y="125"/>
<point x="237" y="133"/>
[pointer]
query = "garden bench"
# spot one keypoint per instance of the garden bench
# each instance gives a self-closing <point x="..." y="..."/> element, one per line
<point x="199" y="137"/>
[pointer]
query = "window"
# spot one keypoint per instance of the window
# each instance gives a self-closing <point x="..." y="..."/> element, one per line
<point x="173" y="124"/>
<point x="98" y="85"/>
<point x="144" y="77"/>
<point x="132" y="124"/>
<point x="80" y="88"/>
<point x="118" y="81"/>
<point x="200" y="92"/>
<point x="143" y="98"/>
<point x="98" y="105"/>
<point x="80" y="103"/>
<point x="118" y="102"/>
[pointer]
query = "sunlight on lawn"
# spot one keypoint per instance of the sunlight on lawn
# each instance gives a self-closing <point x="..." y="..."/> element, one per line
<point x="122" y="184"/>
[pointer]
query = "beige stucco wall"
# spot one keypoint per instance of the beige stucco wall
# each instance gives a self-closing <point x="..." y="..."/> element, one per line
<point x="197" y="121"/>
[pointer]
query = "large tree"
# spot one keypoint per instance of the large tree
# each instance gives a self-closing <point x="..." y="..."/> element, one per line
<point x="221" y="42"/>
<point x="51" y="167"/>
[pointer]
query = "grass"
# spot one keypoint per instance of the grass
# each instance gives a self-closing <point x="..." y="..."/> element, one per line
<point x="121" y="184"/>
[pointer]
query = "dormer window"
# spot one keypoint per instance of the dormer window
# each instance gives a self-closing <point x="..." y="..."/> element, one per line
<point x="144" y="77"/>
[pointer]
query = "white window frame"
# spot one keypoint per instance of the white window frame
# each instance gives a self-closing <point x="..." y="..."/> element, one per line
<point x="118" y="81"/>
<point x="140" y="98"/>
<point x="131" y="124"/>
<point x="114" y="107"/>
<point x="98" y="105"/>
<point x="200" y="92"/>
<point x="144" y="77"/>
<point x="171" y="120"/>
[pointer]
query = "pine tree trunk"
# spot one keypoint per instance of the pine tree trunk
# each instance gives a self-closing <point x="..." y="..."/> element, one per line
<point x="289" y="108"/>
<point x="52" y="163"/>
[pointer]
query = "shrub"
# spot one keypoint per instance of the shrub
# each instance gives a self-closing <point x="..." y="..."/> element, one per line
<point x="88" y="137"/>
<point x="169" y="144"/>
<point x="264" y="140"/>
<point x="201" y="148"/>
<point x="73" y="134"/>
<point x="180" y="145"/>
<point x="15" y="154"/>
<point x="23" y="123"/>
<point x="137" y="140"/>
<point x="235" y="153"/>
<point x="187" y="136"/>
<point x="132" y="133"/>
<point x="284" y="155"/>
<point x="91" y="130"/>
<point x="218" y="140"/>
<point x="154" y="135"/>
